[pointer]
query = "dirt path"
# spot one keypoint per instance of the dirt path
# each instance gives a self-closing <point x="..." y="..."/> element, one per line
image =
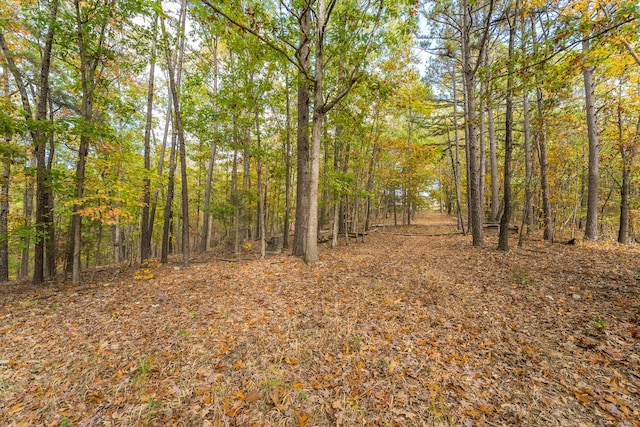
<point x="399" y="330"/>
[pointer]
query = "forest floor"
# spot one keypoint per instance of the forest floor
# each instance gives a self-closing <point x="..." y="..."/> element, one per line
<point x="403" y="329"/>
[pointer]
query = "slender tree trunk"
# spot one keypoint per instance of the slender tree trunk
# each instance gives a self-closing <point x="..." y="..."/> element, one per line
<point x="484" y="93"/>
<point x="168" y="208"/>
<point x="541" y="144"/>
<point x="591" y="229"/>
<point x="50" y="235"/>
<point x="4" y="217"/>
<point x="4" y="194"/>
<point x="235" y="199"/>
<point x="89" y="63"/>
<point x="503" y="239"/>
<point x="28" y="214"/>
<point x="182" y="152"/>
<point x="145" y="238"/>
<point x="261" y="205"/>
<point x="625" y="188"/>
<point x="163" y="149"/>
<point x="287" y="162"/>
<point x="246" y="184"/>
<point x="337" y="197"/>
<point x="303" y="183"/>
<point x="41" y="147"/>
<point x="475" y="192"/>
<point x="212" y="157"/>
<point x="456" y="164"/>
<point x="527" y="214"/>
<point x="495" y="195"/>
<point x="176" y="68"/>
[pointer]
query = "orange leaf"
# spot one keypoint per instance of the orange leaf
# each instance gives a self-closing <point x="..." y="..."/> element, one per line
<point x="303" y="419"/>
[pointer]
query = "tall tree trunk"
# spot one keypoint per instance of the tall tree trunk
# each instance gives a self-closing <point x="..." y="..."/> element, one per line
<point x="541" y="144"/>
<point x="591" y="229"/>
<point x="168" y="207"/>
<point x="625" y="188"/>
<point x="212" y="157"/>
<point x="456" y="163"/>
<point x="163" y="149"/>
<point x="503" y="239"/>
<point x="50" y="235"/>
<point x="41" y="148"/>
<point x="495" y="195"/>
<point x="246" y="183"/>
<point x="89" y="63"/>
<point x="28" y="214"/>
<point x="173" y="87"/>
<point x="337" y="198"/>
<point x="303" y="183"/>
<point x="145" y="238"/>
<point x="287" y="163"/>
<point x="235" y="199"/>
<point x="4" y="217"/>
<point x="176" y="67"/>
<point x="261" y="204"/>
<point x="4" y="194"/>
<point x="527" y="213"/>
<point x="311" y="244"/>
<point x="469" y="73"/>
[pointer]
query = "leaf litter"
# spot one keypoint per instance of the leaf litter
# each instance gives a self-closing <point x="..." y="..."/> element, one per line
<point x="404" y="329"/>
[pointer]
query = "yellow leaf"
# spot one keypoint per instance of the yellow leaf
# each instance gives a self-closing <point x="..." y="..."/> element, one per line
<point x="303" y="419"/>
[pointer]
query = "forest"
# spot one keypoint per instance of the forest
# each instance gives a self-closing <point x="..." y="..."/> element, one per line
<point x="136" y="130"/>
<point x="319" y="213"/>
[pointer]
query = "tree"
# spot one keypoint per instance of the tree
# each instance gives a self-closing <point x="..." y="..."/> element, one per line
<point x="38" y="134"/>
<point x="503" y="242"/>
<point x="145" y="228"/>
<point x="591" y="228"/>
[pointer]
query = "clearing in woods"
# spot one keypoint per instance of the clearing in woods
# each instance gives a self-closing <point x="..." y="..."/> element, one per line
<point x="399" y="330"/>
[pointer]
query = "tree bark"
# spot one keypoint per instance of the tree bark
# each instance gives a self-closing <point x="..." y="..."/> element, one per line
<point x="4" y="217"/>
<point x="527" y="214"/>
<point x="212" y="157"/>
<point x="303" y="183"/>
<point x="42" y="180"/>
<point x="591" y="228"/>
<point x="495" y="195"/>
<point x="287" y="162"/>
<point x="145" y="238"/>
<point x="456" y="162"/>
<point x="469" y="73"/>
<point x="173" y="86"/>
<point x="625" y="188"/>
<point x="311" y="244"/>
<point x="540" y="137"/>
<point x="50" y="235"/>
<point x="503" y="239"/>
